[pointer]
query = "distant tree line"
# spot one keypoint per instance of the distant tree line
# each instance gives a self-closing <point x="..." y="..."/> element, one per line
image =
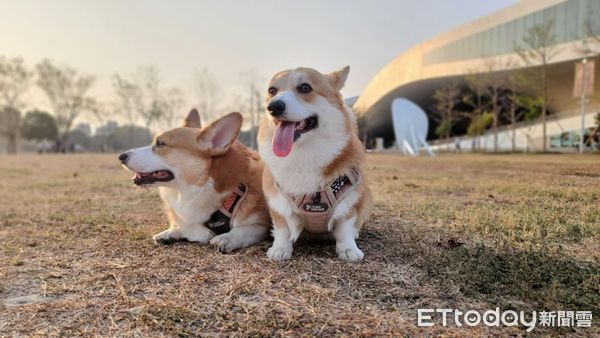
<point x="140" y="98"/>
<point x="41" y="127"/>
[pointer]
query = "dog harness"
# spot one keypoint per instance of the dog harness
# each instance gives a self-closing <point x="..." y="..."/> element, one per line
<point x="318" y="207"/>
<point x="220" y="220"/>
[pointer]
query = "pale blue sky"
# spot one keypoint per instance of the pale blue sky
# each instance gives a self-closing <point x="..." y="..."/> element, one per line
<point x="226" y="37"/>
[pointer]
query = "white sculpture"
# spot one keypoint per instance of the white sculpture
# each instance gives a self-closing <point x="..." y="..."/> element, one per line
<point x="410" y="127"/>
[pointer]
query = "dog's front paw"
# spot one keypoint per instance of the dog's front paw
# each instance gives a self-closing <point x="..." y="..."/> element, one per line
<point x="167" y="237"/>
<point x="200" y="236"/>
<point x="226" y="242"/>
<point x="350" y="254"/>
<point x="279" y="253"/>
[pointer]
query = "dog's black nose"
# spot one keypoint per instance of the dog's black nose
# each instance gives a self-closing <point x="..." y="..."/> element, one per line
<point x="276" y="107"/>
<point x="123" y="157"/>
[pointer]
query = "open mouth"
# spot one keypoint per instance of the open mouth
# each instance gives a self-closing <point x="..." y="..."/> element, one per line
<point x="288" y="132"/>
<point x="155" y="176"/>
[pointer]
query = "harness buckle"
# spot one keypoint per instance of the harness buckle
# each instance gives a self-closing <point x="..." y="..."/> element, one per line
<point x="316" y="197"/>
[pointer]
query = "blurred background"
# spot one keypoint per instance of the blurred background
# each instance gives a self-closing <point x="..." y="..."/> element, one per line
<point x="103" y="76"/>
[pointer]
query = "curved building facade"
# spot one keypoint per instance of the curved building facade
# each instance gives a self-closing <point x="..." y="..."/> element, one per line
<point x="487" y="45"/>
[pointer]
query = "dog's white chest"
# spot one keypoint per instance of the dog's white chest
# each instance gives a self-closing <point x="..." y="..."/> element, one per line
<point x="193" y="205"/>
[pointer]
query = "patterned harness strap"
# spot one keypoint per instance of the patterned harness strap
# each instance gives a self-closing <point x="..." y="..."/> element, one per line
<point x="318" y="207"/>
<point x="220" y="220"/>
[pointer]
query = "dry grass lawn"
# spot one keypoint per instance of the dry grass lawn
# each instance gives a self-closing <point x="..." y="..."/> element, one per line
<point x="469" y="232"/>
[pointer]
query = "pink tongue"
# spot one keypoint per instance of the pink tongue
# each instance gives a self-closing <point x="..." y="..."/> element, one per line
<point x="283" y="140"/>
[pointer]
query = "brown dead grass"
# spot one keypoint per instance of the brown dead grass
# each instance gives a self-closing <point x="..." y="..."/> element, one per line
<point x="473" y="231"/>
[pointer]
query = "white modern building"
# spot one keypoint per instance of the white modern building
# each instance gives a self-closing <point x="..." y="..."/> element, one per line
<point x="470" y="49"/>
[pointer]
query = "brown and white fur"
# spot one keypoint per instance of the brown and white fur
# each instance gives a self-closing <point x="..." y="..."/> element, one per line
<point x="205" y="165"/>
<point x="317" y="157"/>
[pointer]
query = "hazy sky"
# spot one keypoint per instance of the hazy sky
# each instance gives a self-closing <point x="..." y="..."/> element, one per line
<point x="226" y="37"/>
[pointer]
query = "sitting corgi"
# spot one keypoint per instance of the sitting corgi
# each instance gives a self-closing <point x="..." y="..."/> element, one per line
<point x="209" y="182"/>
<point x="313" y="179"/>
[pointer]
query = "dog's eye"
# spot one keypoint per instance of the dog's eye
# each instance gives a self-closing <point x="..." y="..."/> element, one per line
<point x="304" y="88"/>
<point x="272" y="91"/>
<point x="160" y="143"/>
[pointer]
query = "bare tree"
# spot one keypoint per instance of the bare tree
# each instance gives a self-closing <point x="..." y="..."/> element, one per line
<point x="149" y="102"/>
<point x="445" y="113"/>
<point x="513" y="104"/>
<point x="10" y="119"/>
<point x="172" y="104"/>
<point x="208" y="94"/>
<point x="140" y="96"/>
<point x="495" y="81"/>
<point x="68" y="94"/>
<point x="127" y="95"/>
<point x="255" y="101"/>
<point x="477" y="85"/>
<point x="538" y="48"/>
<point x="589" y="46"/>
<point x="15" y="79"/>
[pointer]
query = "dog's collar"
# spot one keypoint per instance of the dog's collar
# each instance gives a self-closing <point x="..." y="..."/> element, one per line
<point x="317" y="207"/>
<point x="220" y="220"/>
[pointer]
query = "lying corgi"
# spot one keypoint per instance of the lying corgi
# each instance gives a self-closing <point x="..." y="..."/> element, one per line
<point x="209" y="182"/>
<point x="313" y="179"/>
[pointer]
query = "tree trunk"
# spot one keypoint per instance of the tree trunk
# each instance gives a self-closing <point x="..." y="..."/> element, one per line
<point x="63" y="145"/>
<point x="544" y="127"/>
<point x="544" y="105"/>
<point x="513" y="122"/>
<point x="11" y="145"/>
<point x="65" y="139"/>
<point x="495" y="122"/>
<point x="495" y="127"/>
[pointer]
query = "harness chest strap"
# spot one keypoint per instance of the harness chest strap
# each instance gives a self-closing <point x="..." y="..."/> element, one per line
<point x="318" y="207"/>
<point x="220" y="220"/>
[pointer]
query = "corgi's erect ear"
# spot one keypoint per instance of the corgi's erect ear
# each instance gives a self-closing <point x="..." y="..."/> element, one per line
<point x="192" y="120"/>
<point x="220" y="135"/>
<point x="338" y="78"/>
